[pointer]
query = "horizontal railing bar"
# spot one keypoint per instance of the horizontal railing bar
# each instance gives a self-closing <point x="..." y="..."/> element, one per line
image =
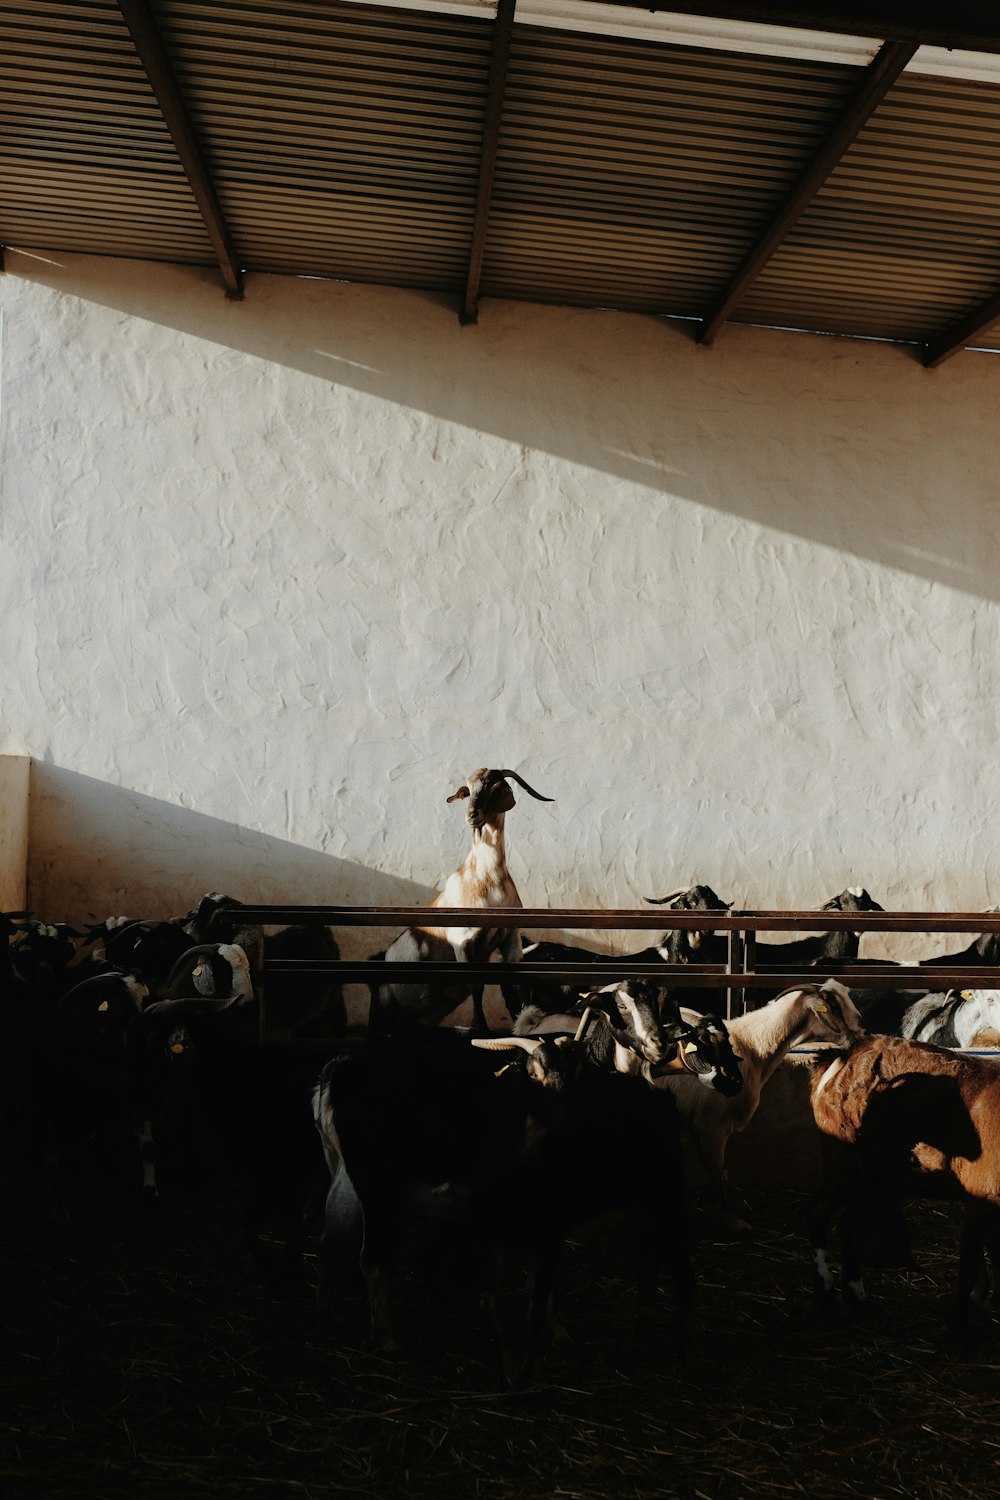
<point x="698" y="975"/>
<point x="490" y="973"/>
<point x="640" y="919"/>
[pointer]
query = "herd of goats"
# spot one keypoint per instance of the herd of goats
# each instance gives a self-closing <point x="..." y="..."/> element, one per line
<point x="512" y="1141"/>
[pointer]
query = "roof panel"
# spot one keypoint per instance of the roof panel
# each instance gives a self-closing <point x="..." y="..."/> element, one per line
<point x="662" y="160"/>
<point x="904" y="238"/>
<point x="353" y="132"/>
<point x="87" y="163"/>
<point x="344" y="141"/>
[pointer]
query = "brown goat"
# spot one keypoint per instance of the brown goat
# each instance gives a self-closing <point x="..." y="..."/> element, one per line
<point x="902" y="1118"/>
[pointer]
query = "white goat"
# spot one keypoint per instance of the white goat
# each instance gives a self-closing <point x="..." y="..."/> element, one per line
<point x="959" y="1018"/>
<point x="760" y="1039"/>
<point x="482" y="879"/>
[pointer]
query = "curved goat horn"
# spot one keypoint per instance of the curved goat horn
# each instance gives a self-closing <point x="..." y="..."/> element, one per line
<point x="665" y="900"/>
<point x="529" y="789"/>
<point x="81" y="995"/>
<point x="179" y="965"/>
<point x="507" y="1043"/>
<point x="586" y="1021"/>
<point x="203" y="1003"/>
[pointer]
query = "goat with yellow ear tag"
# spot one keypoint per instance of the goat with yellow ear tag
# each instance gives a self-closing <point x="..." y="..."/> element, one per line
<point x="760" y="1039"/>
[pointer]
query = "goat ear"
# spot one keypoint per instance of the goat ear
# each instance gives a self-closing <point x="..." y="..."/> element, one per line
<point x="670" y="1011"/>
<point x="674" y="1031"/>
<point x="597" y="1000"/>
<point x="460" y="795"/>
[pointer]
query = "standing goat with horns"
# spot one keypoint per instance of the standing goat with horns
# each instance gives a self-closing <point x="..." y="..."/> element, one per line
<point x="482" y="879"/>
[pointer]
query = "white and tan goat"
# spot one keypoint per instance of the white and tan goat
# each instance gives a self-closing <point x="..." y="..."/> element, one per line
<point x="481" y="880"/>
<point x="760" y="1039"/>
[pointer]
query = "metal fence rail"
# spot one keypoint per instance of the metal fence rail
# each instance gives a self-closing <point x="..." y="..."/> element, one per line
<point x="745" y="970"/>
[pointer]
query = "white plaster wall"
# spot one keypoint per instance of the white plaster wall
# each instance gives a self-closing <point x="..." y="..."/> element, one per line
<point x="284" y="571"/>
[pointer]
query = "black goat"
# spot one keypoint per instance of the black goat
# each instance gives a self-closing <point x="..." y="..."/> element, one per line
<point x="534" y="1148"/>
<point x="40" y="956"/>
<point x="831" y="951"/>
<point x="675" y="947"/>
<point x="307" y="1005"/>
<point x="147" y="949"/>
<point x="984" y="951"/>
<point x="243" y="1105"/>
<point x="828" y="945"/>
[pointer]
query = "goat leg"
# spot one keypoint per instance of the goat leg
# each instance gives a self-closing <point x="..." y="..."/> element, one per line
<point x="711" y="1152"/>
<point x="664" y="1236"/>
<point x="977" y="1232"/>
<point x="542" y="1294"/>
<point x="489" y="1303"/>
<point x="378" y="1262"/>
<point x="478" y="1014"/>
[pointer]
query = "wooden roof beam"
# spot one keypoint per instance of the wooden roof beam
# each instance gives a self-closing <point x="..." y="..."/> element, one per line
<point x="145" y="34"/>
<point x="971" y="24"/>
<point x="957" y="335"/>
<point x="877" y="80"/>
<point x="499" y="56"/>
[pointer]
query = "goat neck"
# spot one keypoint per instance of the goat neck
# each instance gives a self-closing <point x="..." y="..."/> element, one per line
<point x="482" y="879"/>
<point x="766" y="1035"/>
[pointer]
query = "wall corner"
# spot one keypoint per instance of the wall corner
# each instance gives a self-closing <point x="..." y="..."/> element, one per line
<point x="15" y="780"/>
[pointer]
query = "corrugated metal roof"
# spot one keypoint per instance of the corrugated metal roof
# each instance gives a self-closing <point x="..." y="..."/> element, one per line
<point x="344" y="140"/>
<point x="905" y="235"/>
<point x="635" y="176"/>
<point x="343" y="143"/>
<point x="87" y="162"/>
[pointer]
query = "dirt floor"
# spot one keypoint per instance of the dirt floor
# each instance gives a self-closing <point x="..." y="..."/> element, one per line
<point x="143" y="1359"/>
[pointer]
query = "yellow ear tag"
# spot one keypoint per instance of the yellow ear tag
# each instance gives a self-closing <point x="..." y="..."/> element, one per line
<point x="197" y="973"/>
<point x="177" y="1047"/>
<point x="501" y="1071"/>
<point x="691" y="1047"/>
<point x="822" y="1007"/>
<point x="103" y="1005"/>
<point x="965" y="994"/>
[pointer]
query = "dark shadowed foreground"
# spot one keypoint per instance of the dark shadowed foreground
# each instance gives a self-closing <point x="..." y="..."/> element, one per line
<point x="143" y="1360"/>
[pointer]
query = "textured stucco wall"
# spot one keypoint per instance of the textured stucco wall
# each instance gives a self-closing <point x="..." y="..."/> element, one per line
<point x="283" y="571"/>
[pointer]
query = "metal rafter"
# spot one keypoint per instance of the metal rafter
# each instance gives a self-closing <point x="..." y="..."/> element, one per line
<point x="145" y="34"/>
<point x="499" y="56"/>
<point x="878" y="78"/>
<point x="957" y="335"/>
<point x="971" y="24"/>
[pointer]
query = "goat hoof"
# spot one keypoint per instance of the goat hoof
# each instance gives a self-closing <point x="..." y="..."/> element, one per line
<point x="963" y="1342"/>
<point x="731" y="1227"/>
<point x="824" y="1296"/>
<point x="388" y="1347"/>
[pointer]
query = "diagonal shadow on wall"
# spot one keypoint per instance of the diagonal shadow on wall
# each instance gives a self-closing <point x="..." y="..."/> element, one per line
<point x="97" y="850"/>
<point x="799" y="446"/>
